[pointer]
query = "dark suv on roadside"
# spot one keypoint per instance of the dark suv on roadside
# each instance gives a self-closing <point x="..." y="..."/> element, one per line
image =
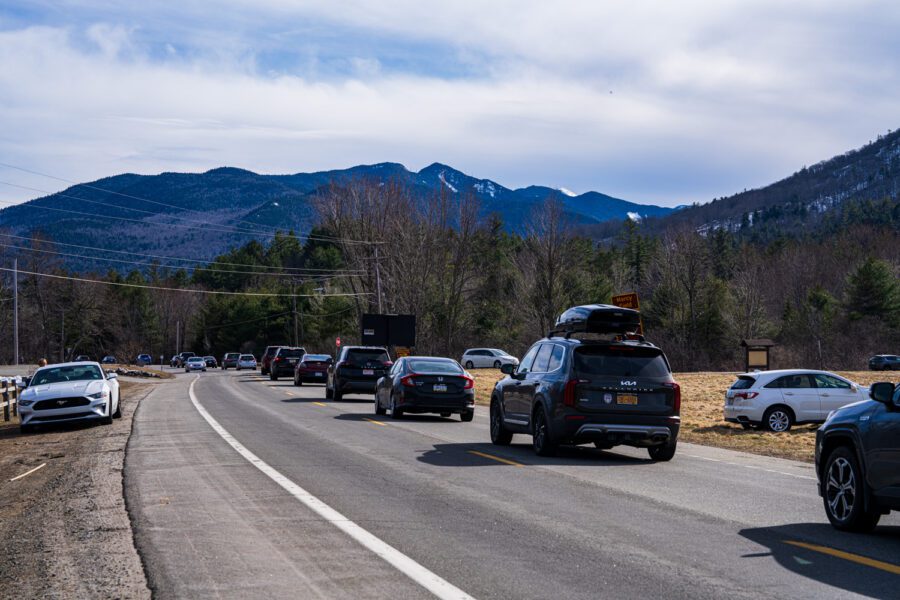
<point x="858" y="460"/>
<point x="284" y="361"/>
<point x="357" y="370"/>
<point x="266" y="359"/>
<point x="590" y="381"/>
<point x="884" y="362"/>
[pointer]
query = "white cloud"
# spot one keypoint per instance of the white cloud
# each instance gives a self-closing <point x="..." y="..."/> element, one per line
<point x="650" y="101"/>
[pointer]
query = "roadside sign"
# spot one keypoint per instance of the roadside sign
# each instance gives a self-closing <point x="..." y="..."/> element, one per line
<point x="629" y="300"/>
<point x="337" y="342"/>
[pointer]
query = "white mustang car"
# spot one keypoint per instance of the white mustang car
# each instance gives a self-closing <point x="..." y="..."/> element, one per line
<point x="69" y="392"/>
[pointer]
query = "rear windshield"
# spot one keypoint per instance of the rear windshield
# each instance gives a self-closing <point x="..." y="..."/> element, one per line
<point x="620" y="361"/>
<point x="316" y="358"/>
<point x="247" y="357"/>
<point x="743" y="383"/>
<point x="232" y="355"/>
<point x="362" y="357"/>
<point x="435" y="366"/>
<point x="271" y="350"/>
<point x="61" y="374"/>
<point x="292" y="352"/>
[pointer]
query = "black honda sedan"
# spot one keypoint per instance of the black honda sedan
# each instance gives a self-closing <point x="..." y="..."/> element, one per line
<point x="426" y="384"/>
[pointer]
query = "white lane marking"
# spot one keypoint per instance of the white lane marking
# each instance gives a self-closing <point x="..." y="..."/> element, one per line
<point x="432" y="582"/>
<point x="734" y="464"/>
<point x="27" y="473"/>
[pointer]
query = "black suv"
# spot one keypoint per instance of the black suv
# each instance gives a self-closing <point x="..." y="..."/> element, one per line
<point x="571" y="389"/>
<point x="858" y="460"/>
<point x="357" y="369"/>
<point x="284" y="361"/>
<point x="884" y="362"/>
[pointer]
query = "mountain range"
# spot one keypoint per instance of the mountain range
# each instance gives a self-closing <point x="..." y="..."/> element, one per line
<point x="201" y="215"/>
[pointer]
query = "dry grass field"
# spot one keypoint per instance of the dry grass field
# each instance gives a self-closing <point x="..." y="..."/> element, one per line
<point x="703" y="396"/>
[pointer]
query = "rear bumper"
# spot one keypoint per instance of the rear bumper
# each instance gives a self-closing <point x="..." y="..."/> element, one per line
<point x="458" y="404"/>
<point x="356" y="385"/>
<point x="312" y="377"/>
<point x="641" y="432"/>
<point x="741" y="414"/>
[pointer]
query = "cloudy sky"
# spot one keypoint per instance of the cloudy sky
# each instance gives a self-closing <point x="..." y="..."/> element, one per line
<point x="662" y="102"/>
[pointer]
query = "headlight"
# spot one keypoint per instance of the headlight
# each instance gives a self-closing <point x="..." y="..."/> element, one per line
<point x="26" y="402"/>
<point x="99" y="395"/>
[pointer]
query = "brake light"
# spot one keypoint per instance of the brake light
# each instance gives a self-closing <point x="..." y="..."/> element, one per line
<point x="746" y="395"/>
<point x="470" y="383"/>
<point x="569" y="393"/>
<point x="676" y="404"/>
<point x="388" y="363"/>
<point x="278" y="359"/>
<point x="408" y="380"/>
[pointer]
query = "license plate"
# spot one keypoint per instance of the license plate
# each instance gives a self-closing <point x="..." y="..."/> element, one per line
<point x="626" y="399"/>
<point x="368" y="371"/>
<point x="319" y="374"/>
<point x="440" y="387"/>
<point x="292" y="360"/>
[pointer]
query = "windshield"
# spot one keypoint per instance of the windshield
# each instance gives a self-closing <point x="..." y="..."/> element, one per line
<point x="316" y="358"/>
<point x="364" y="357"/>
<point x="247" y="357"/>
<point x="434" y="366"/>
<point x="291" y="352"/>
<point x="620" y="361"/>
<point x="232" y="355"/>
<point x="61" y="374"/>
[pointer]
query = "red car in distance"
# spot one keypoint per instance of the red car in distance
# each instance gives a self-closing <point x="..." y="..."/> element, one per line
<point x="312" y="369"/>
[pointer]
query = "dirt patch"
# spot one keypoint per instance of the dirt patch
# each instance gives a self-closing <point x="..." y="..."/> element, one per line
<point x="703" y="398"/>
<point x="65" y="530"/>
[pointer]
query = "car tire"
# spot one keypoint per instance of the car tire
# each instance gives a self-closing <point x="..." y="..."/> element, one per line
<point x="445" y="414"/>
<point x="329" y="393"/>
<point x="541" y="439"/>
<point x="470" y="364"/>
<point x="118" y="413"/>
<point x="379" y="410"/>
<point x="602" y="446"/>
<point x="396" y="413"/>
<point x="26" y="428"/>
<point x="500" y="435"/>
<point x="845" y="502"/>
<point x="663" y="452"/>
<point x="337" y="396"/>
<point x="273" y="376"/>
<point x="108" y="419"/>
<point x="467" y="417"/>
<point x="778" y="419"/>
<point x="496" y="364"/>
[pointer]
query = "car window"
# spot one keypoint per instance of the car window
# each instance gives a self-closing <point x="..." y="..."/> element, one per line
<point x="556" y="358"/>
<point x="61" y="374"/>
<point x="363" y="357"/>
<point x="829" y="382"/>
<point x="791" y="382"/>
<point x="525" y="365"/>
<point x="743" y="383"/>
<point x="542" y="360"/>
<point x="620" y="361"/>
<point x="247" y="357"/>
<point x="435" y="366"/>
<point x="291" y="352"/>
<point x="896" y="398"/>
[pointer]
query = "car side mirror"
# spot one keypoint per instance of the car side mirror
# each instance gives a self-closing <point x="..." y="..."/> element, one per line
<point x="882" y="392"/>
<point x="507" y="369"/>
<point x="112" y="376"/>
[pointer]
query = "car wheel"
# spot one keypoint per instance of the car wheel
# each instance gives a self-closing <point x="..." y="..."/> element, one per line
<point x="329" y="393"/>
<point x="273" y="376"/>
<point x="500" y="435"/>
<point x="467" y="416"/>
<point x="118" y="413"/>
<point x="445" y="414"/>
<point x="602" y="446"/>
<point x="778" y="419"/>
<point x="396" y="413"/>
<point x="379" y="410"/>
<point x="337" y="395"/>
<point x="108" y="419"/>
<point x="844" y="495"/>
<point x="541" y="439"/>
<point x="496" y="364"/>
<point x="469" y="364"/>
<point x="662" y="453"/>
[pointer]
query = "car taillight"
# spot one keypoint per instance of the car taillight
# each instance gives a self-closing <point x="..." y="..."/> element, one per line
<point x="676" y="403"/>
<point x="569" y="393"/>
<point x="470" y="383"/>
<point x="408" y="380"/>
<point x="388" y="363"/>
<point x="746" y="395"/>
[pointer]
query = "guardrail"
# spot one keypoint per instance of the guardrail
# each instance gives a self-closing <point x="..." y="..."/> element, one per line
<point x="9" y="387"/>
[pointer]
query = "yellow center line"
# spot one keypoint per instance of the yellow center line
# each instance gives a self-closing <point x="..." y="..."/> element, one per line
<point x="320" y="404"/>
<point x="376" y="422"/>
<point x="497" y="458"/>
<point x="861" y="560"/>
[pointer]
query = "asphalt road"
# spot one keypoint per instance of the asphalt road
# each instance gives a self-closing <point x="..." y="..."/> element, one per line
<point x="493" y="522"/>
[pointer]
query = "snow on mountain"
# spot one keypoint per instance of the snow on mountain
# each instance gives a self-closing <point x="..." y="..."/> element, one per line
<point x="447" y="183"/>
<point x="568" y="192"/>
<point x="636" y="217"/>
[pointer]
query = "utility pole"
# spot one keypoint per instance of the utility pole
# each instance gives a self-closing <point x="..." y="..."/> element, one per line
<point x="177" y="336"/>
<point x="62" y="336"/>
<point x="294" y="310"/>
<point x="378" y="280"/>
<point x="16" y="310"/>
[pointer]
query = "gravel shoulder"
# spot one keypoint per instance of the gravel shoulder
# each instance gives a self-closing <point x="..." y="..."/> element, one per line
<point x="64" y="529"/>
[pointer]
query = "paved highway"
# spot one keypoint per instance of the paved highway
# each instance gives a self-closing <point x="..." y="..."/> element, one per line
<point x="241" y="487"/>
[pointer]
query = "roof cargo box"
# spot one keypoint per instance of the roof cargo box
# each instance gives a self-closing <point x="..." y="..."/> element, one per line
<point x="598" y="318"/>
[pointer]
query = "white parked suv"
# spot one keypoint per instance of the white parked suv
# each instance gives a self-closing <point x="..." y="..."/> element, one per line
<point x="477" y="358"/>
<point x="777" y="400"/>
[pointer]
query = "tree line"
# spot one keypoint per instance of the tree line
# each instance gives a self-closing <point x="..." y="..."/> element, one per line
<point x="829" y="299"/>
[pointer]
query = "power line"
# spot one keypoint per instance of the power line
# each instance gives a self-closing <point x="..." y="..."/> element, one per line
<point x="212" y="270"/>
<point x="170" y="289"/>
<point x="291" y="270"/>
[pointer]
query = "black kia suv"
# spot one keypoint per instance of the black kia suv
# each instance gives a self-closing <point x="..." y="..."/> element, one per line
<point x="590" y="381"/>
<point x="357" y="369"/>
<point x="858" y="460"/>
<point x="284" y="361"/>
